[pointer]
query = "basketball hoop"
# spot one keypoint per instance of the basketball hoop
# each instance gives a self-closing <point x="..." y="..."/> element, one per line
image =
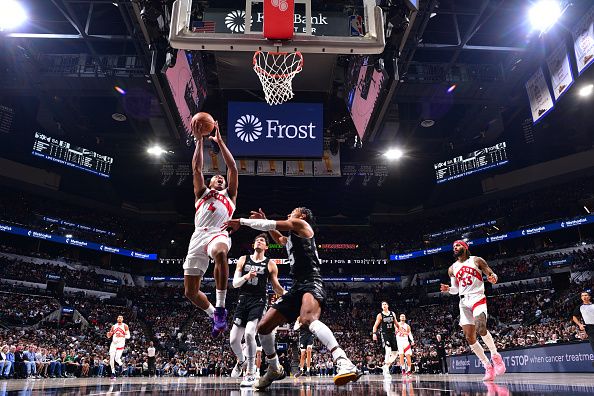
<point x="276" y="71"/>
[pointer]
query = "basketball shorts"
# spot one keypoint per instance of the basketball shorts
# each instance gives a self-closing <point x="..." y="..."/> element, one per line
<point x="306" y="340"/>
<point x="289" y="305"/>
<point x="114" y="348"/>
<point x="389" y="340"/>
<point x="471" y="306"/>
<point x="248" y="309"/>
<point x="403" y="346"/>
<point x="200" y="250"/>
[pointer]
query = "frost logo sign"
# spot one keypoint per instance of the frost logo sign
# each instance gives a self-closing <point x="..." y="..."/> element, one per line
<point x="290" y="130"/>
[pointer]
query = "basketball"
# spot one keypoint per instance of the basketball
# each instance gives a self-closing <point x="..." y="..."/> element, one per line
<point x="204" y="123"/>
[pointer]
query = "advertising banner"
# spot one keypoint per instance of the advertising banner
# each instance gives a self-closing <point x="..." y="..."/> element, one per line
<point x="289" y="130"/>
<point x="565" y="358"/>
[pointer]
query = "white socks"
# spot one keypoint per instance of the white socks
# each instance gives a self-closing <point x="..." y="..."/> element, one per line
<point x="274" y="363"/>
<point x="221" y="295"/>
<point x="235" y="337"/>
<point x="480" y="353"/>
<point x="267" y="341"/>
<point x="488" y="340"/>
<point x="324" y="334"/>
<point x="210" y="311"/>
<point x="250" y="345"/>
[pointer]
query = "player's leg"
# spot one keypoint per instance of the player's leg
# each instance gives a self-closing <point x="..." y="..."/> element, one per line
<point x="193" y="293"/>
<point x="301" y="360"/>
<point x="118" y="356"/>
<point x="235" y="337"/>
<point x="481" y="327"/>
<point x="271" y="320"/>
<point x="310" y="315"/>
<point x="387" y="354"/>
<point x="308" y="359"/>
<point x="218" y="249"/>
<point x="112" y="354"/>
<point x="251" y="348"/>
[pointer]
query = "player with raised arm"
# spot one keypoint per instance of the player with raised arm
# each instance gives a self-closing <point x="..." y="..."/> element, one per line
<point x="118" y="333"/>
<point x="466" y="277"/>
<point x="251" y="277"/>
<point x="214" y="205"/>
<point x="386" y="322"/>
<point x="303" y="300"/>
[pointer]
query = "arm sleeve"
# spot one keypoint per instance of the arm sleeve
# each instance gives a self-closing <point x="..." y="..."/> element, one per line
<point x="238" y="280"/>
<point x="127" y="332"/>
<point x="577" y="313"/>
<point x="297" y="325"/>
<point x="454" y="285"/>
<point x="410" y="335"/>
<point x="259" y="224"/>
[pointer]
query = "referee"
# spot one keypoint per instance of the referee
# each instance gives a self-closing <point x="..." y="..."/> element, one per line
<point x="151" y="359"/>
<point x="586" y="311"/>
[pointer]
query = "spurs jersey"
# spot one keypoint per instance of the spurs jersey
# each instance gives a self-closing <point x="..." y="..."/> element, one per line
<point x="388" y="320"/>
<point x="469" y="277"/>
<point x="303" y="258"/>
<point x="213" y="209"/>
<point x="255" y="287"/>
<point x="120" y="334"/>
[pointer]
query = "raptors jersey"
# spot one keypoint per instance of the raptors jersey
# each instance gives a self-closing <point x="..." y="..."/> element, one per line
<point x="213" y="209"/>
<point x="403" y="331"/>
<point x="119" y="334"/>
<point x="469" y="277"/>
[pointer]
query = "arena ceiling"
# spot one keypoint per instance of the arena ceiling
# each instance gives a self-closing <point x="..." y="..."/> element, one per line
<point x="60" y="70"/>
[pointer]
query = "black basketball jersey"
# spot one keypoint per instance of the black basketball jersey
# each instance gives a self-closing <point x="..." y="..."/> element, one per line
<point x="388" y="322"/>
<point x="303" y="258"/>
<point x="257" y="285"/>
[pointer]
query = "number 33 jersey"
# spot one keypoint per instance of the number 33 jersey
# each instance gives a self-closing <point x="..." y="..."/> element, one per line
<point x="469" y="277"/>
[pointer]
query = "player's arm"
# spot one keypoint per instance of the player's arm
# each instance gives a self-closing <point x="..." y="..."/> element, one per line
<point x="276" y="286"/>
<point x="397" y="323"/>
<point x="127" y="331"/>
<point x="197" y="162"/>
<point x="110" y="332"/>
<point x="378" y="320"/>
<point x="274" y="234"/>
<point x="298" y="226"/>
<point x="483" y="266"/>
<point x="453" y="288"/>
<point x="410" y="336"/>
<point x="232" y="174"/>
<point x="239" y="280"/>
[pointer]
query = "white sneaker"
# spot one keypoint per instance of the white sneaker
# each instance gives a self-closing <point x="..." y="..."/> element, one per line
<point x="237" y="370"/>
<point x="346" y="372"/>
<point x="257" y="375"/>
<point x="248" y="381"/>
<point x="386" y="371"/>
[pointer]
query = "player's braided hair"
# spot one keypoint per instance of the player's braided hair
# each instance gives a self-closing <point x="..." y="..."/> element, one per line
<point x="309" y="217"/>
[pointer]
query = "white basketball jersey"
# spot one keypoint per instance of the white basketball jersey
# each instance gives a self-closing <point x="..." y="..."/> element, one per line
<point x="403" y="330"/>
<point x="213" y="209"/>
<point x="469" y="276"/>
<point x="119" y="334"/>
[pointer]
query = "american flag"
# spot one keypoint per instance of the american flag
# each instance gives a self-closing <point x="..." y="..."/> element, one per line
<point x="203" y="27"/>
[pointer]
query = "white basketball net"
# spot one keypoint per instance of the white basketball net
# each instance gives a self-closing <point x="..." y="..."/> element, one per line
<point x="276" y="71"/>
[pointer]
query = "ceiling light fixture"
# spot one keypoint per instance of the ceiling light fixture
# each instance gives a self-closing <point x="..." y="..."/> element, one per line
<point x="586" y="90"/>
<point x="13" y="14"/>
<point x="544" y="14"/>
<point x="394" y="154"/>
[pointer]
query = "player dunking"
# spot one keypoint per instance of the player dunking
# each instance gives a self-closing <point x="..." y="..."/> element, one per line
<point x="118" y="333"/>
<point x="403" y="334"/>
<point x="215" y="205"/>
<point x="466" y="277"/>
<point x="386" y="322"/>
<point x="306" y="341"/>
<point x="251" y="277"/>
<point x="305" y="298"/>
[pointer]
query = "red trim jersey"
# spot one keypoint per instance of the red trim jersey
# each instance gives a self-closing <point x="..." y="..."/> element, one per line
<point x="213" y="209"/>
<point x="121" y="332"/>
<point x="469" y="277"/>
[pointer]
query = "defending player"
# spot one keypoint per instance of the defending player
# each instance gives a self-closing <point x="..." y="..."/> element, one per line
<point x="118" y="333"/>
<point x="251" y="277"/>
<point x="215" y="205"/>
<point x="466" y="277"/>
<point x="386" y="322"/>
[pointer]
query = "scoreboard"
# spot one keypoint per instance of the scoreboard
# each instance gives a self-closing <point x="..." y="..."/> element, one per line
<point x="67" y="154"/>
<point x="476" y="161"/>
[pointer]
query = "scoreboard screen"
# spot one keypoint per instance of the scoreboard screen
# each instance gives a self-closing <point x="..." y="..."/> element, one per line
<point x="476" y="161"/>
<point x="70" y="155"/>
